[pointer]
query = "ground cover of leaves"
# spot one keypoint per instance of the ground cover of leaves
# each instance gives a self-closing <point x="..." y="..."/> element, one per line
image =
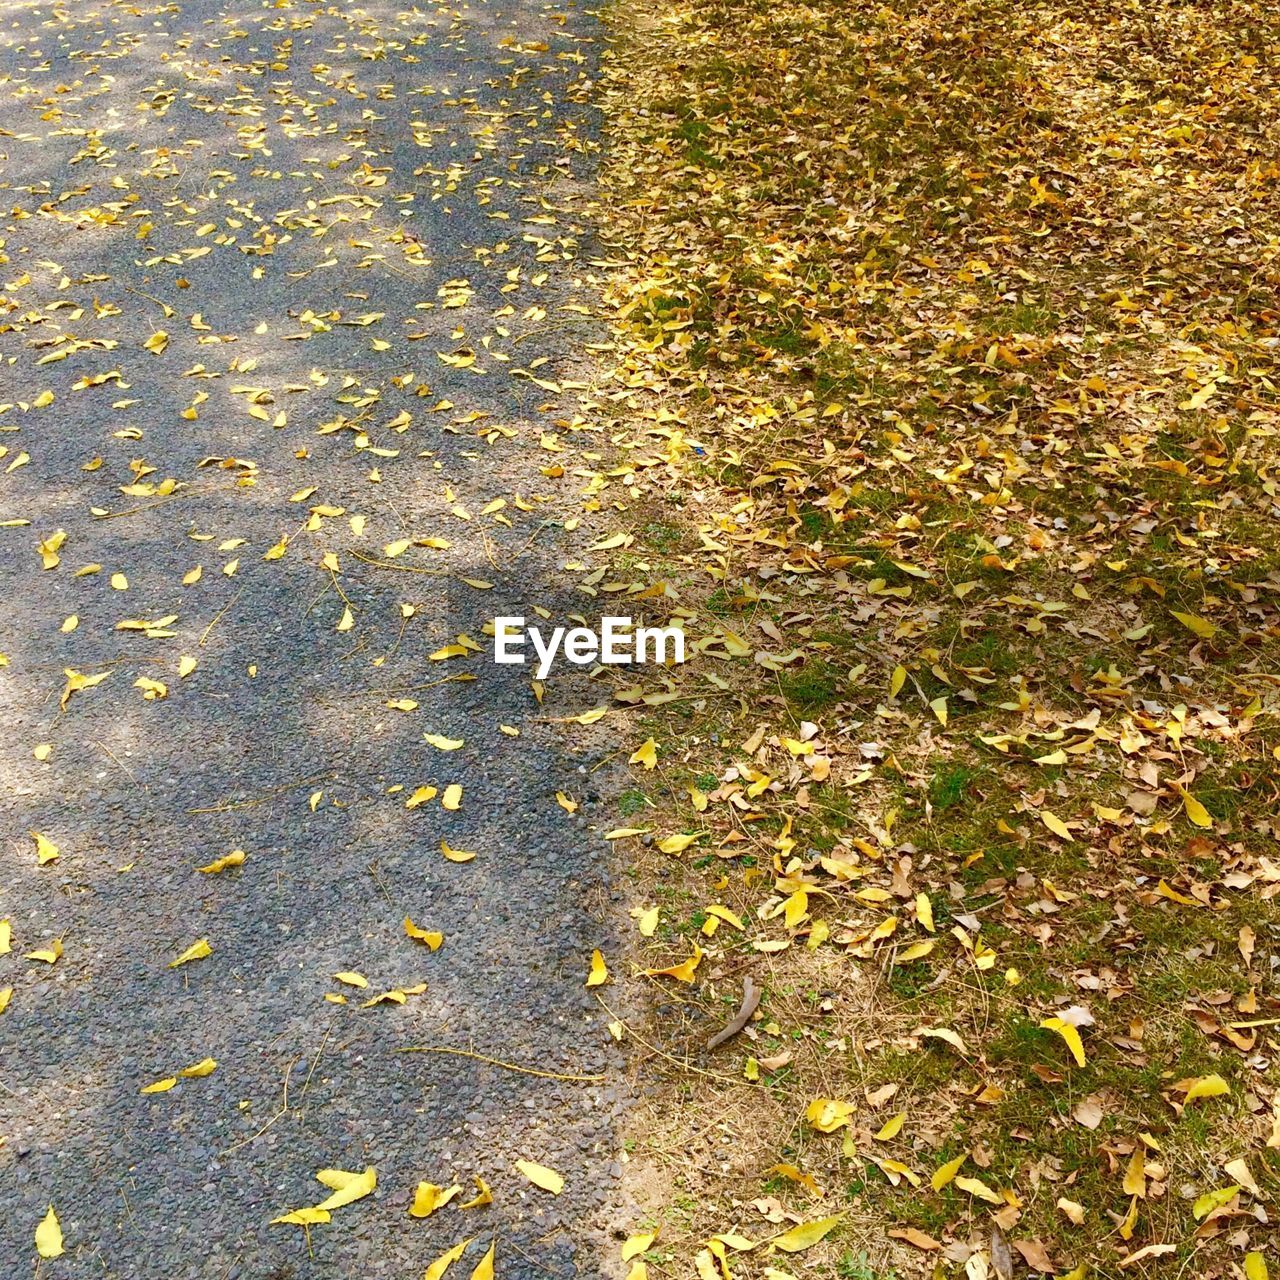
<point x="946" y="380"/>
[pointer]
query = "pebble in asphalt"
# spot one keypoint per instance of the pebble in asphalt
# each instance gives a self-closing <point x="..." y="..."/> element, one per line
<point x="284" y="282"/>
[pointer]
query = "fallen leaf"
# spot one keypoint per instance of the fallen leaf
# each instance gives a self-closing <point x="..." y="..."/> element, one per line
<point x="541" y="1176"/>
<point x="433" y="940"/>
<point x="599" y="974"/>
<point x="196" y="951"/>
<point x="49" y="1236"/>
<point x="806" y="1235"/>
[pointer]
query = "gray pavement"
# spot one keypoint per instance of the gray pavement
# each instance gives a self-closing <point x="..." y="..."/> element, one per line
<point x="255" y="181"/>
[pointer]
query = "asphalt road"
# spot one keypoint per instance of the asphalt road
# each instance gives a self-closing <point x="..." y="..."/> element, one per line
<point x="305" y="277"/>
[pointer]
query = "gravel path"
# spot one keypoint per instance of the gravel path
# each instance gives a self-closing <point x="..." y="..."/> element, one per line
<point x="285" y="282"/>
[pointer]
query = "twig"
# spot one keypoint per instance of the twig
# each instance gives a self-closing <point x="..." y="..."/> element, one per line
<point x="264" y="797"/>
<point x="545" y="524"/>
<point x="284" y="1109"/>
<point x="315" y="1062"/>
<point x="509" y="1066"/>
<point x="146" y="506"/>
<point x="400" y="688"/>
<point x="219" y="615"/>
<point x="120" y="763"/>
<point x="402" y="568"/>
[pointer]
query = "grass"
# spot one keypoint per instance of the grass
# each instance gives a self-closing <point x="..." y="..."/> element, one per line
<point x="953" y="282"/>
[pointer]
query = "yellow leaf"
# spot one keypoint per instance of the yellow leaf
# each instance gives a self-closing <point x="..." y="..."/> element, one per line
<point x="420" y="797"/>
<point x="152" y="690"/>
<point x="196" y="951"/>
<point x="347" y="621"/>
<point x="939" y="708"/>
<point x="160" y="1086"/>
<point x="924" y="912"/>
<point x="433" y="940"/>
<point x="946" y="1173"/>
<point x="233" y="859"/>
<point x="1255" y="1266"/>
<point x="599" y="974"/>
<point x="1126" y="1228"/>
<point x="944" y="1033"/>
<point x="76" y="682"/>
<point x="428" y="1198"/>
<point x="6" y="994"/>
<point x="1202" y="627"/>
<point x="541" y="1176"/>
<point x="49" y="1236"/>
<point x="647" y="922"/>
<point x="682" y="972"/>
<point x="1238" y="1170"/>
<point x="634" y="1246"/>
<point x="917" y="951"/>
<point x="678" y="843"/>
<point x="6" y="937"/>
<point x="302" y="1217"/>
<point x="1212" y="1200"/>
<point x="829" y="1114"/>
<point x="482" y="1197"/>
<point x="197" y="1070"/>
<point x="1165" y="890"/>
<point x="351" y="978"/>
<point x="449" y="651"/>
<point x="976" y="1187"/>
<point x="1196" y="812"/>
<point x="1210" y="1086"/>
<point x="806" y="1235"/>
<point x="46" y="850"/>
<point x="452" y="798"/>
<point x="897" y="680"/>
<point x="483" y="1269"/>
<point x="456" y="855"/>
<point x="446" y="1260"/>
<point x="345" y="1186"/>
<point x="1070" y="1034"/>
<point x="616" y="540"/>
<point x="1135" y="1177"/>
<point x="1073" y="1212"/>
<point x="441" y="743"/>
<point x="1055" y="824"/>
<point x="646" y="754"/>
<point x="47" y="955"/>
<point x="186" y="665"/>
<point x="892" y="1128"/>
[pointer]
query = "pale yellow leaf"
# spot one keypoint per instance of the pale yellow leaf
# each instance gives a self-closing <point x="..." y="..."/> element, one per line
<point x="49" y="1236"/>
<point x="196" y="951"/>
<point x="541" y="1176"/>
